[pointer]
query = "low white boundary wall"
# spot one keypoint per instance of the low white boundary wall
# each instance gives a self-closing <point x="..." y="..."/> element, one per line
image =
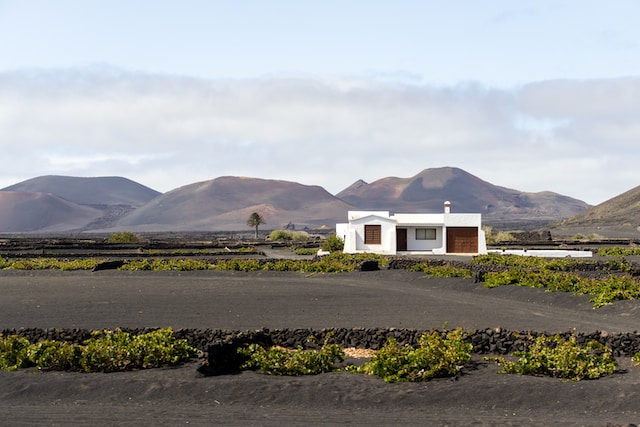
<point x="545" y="253"/>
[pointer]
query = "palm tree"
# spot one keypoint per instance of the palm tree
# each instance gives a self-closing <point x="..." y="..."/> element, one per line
<point x="255" y="220"/>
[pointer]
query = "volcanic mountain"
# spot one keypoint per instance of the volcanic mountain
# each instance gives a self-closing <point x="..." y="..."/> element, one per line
<point x="616" y="217"/>
<point x="29" y="212"/>
<point x="61" y="203"/>
<point x="225" y="203"/>
<point x="426" y="191"/>
<point x="106" y="204"/>
<point x="108" y="190"/>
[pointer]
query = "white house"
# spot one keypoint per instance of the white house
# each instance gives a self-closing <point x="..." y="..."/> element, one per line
<point x="413" y="234"/>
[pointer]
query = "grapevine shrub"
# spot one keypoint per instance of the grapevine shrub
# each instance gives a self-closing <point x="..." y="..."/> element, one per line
<point x="436" y="356"/>
<point x="559" y="358"/>
<point x="280" y="361"/>
<point x="105" y="351"/>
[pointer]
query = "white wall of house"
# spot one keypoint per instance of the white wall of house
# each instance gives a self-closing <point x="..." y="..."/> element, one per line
<point x="462" y="220"/>
<point x="482" y="242"/>
<point x="353" y="232"/>
<point x="415" y="244"/>
<point x="412" y="222"/>
<point x="355" y="238"/>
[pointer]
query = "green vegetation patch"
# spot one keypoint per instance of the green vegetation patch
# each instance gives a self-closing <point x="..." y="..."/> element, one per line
<point x="159" y="264"/>
<point x="605" y="291"/>
<point x="558" y="275"/>
<point x="554" y="264"/>
<point x="306" y="251"/>
<point x="105" y="351"/>
<point x="559" y="358"/>
<point x="280" y="361"/>
<point x="50" y="264"/>
<point x="496" y="238"/>
<point x="617" y="251"/>
<point x="124" y="237"/>
<point x="441" y="270"/>
<point x="438" y="355"/>
<point x="288" y="235"/>
<point x="333" y="263"/>
<point x="333" y="243"/>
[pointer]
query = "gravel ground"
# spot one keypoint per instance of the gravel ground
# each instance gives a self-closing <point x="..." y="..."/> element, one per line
<point x="239" y="301"/>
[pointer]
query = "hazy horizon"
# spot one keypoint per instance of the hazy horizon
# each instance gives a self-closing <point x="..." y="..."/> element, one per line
<point x="534" y="96"/>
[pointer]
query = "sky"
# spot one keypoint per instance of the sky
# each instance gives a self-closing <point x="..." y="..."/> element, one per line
<point x="534" y="95"/>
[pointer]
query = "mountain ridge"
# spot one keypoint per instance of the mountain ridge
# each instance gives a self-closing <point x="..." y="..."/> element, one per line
<point x="468" y="193"/>
<point x="225" y="202"/>
<point x="106" y="190"/>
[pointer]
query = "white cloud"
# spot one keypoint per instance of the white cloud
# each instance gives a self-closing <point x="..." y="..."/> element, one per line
<point x="167" y="131"/>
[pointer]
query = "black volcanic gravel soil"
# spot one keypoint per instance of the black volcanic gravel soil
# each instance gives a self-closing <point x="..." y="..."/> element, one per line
<point x="239" y="301"/>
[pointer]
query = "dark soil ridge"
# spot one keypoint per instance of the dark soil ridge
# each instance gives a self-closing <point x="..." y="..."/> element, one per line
<point x="98" y="243"/>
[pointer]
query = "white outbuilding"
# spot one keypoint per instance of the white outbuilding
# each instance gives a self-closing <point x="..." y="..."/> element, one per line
<point x="413" y="233"/>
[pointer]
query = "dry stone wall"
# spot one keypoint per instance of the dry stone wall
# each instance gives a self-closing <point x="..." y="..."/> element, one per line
<point x="486" y="341"/>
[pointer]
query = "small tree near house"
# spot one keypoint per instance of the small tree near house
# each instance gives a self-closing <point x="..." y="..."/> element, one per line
<point x="255" y="220"/>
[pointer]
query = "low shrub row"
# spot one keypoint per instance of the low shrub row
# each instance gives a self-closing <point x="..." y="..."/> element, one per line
<point x="333" y="263"/>
<point x="50" y="264"/>
<point x="552" y="264"/>
<point x="402" y="355"/>
<point x="104" y="351"/>
<point x="615" y="279"/>
<point x="606" y="281"/>
<point x="604" y="290"/>
<point x="484" y="341"/>
<point x="617" y="251"/>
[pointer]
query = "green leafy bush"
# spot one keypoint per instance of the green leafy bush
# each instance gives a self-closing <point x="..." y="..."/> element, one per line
<point x="436" y="356"/>
<point x="56" y="355"/>
<point x="14" y="352"/>
<point x="605" y="291"/>
<point x="558" y="275"/>
<point x="495" y="238"/>
<point x="280" y="361"/>
<point x="334" y="263"/>
<point x="110" y="351"/>
<point x="441" y="270"/>
<point x="50" y="264"/>
<point x="238" y="265"/>
<point x="288" y="235"/>
<point x="333" y="243"/>
<point x="306" y="251"/>
<point x="555" y="264"/>
<point x="106" y="351"/>
<point x="559" y="358"/>
<point x="159" y="264"/>
<point x="617" y="251"/>
<point x="124" y="237"/>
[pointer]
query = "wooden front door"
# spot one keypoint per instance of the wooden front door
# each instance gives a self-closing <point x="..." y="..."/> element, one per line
<point x="462" y="240"/>
<point x="401" y="239"/>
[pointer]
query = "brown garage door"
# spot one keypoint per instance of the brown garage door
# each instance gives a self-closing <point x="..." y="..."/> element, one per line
<point x="462" y="240"/>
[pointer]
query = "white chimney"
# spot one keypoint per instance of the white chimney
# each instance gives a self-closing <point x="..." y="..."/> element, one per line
<point x="447" y="207"/>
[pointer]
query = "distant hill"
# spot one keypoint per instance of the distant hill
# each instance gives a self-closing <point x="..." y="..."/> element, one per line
<point x="106" y="204"/>
<point x="225" y="203"/>
<point x="110" y="190"/>
<point x="30" y="212"/>
<point x="426" y="192"/>
<point x="56" y="203"/>
<point x="616" y="217"/>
